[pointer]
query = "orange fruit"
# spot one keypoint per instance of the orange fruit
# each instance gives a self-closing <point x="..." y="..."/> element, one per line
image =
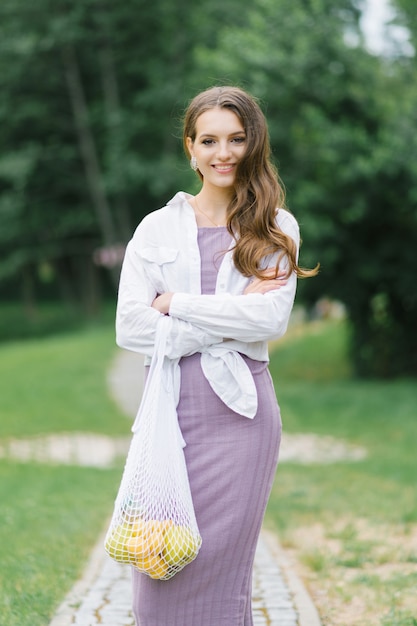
<point x="138" y="527"/>
<point x="147" y="538"/>
<point x="153" y="565"/>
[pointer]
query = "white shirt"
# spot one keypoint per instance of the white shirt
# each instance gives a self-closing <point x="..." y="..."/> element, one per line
<point x="163" y="256"/>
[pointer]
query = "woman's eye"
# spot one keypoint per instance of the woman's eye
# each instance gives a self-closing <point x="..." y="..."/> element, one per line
<point x="210" y="142"/>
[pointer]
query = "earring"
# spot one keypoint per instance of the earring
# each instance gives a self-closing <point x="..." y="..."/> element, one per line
<point x="193" y="163"/>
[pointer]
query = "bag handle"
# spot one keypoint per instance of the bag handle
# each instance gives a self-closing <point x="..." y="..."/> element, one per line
<point x="157" y="362"/>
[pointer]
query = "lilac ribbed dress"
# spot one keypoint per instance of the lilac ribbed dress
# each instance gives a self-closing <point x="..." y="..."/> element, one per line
<point x="231" y="462"/>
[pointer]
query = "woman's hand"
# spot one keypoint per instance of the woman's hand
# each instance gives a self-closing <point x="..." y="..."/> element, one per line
<point x="163" y="302"/>
<point x="269" y="283"/>
<point x="257" y="285"/>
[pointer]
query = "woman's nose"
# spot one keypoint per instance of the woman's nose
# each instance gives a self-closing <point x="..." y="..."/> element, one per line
<point x="223" y="151"/>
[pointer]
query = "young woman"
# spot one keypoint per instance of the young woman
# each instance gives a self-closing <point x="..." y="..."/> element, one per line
<point x="222" y="266"/>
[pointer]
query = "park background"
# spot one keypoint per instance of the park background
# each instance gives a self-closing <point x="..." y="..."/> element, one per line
<point x="92" y="94"/>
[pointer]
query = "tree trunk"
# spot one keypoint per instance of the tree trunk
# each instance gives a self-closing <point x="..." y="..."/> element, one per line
<point x="67" y="283"/>
<point x="28" y="292"/>
<point x="88" y="278"/>
<point x="115" y="132"/>
<point x="88" y="149"/>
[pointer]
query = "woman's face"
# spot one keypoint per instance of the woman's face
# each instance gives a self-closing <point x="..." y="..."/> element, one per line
<point x="219" y="144"/>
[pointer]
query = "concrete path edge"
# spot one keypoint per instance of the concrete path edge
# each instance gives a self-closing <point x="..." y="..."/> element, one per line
<point x="307" y="612"/>
<point x="65" y="612"/>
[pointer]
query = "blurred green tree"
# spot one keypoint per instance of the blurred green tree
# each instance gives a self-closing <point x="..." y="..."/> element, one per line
<point x="92" y="95"/>
<point x="342" y="124"/>
<point x="89" y="91"/>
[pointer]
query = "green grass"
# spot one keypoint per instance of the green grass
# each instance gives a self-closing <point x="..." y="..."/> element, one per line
<point x="52" y="515"/>
<point x="51" y="518"/>
<point x="58" y="384"/>
<point x="352" y="504"/>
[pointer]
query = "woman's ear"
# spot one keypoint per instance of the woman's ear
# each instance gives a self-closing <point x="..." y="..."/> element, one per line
<point x="190" y="144"/>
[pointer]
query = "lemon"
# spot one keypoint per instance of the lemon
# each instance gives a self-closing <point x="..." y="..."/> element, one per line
<point x="180" y="545"/>
<point x="116" y="542"/>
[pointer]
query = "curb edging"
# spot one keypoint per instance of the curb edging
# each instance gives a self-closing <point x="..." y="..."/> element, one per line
<point x="64" y="614"/>
<point x="306" y="610"/>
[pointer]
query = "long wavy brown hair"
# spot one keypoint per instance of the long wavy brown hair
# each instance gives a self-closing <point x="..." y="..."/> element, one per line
<point x="251" y="214"/>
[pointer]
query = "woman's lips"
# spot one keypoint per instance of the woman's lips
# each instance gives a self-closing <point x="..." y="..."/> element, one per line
<point x="224" y="169"/>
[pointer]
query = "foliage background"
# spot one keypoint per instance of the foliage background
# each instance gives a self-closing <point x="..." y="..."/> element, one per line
<point x="92" y="97"/>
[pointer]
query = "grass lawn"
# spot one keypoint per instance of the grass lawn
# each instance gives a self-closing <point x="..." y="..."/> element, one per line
<point x="52" y="515"/>
<point x="352" y="527"/>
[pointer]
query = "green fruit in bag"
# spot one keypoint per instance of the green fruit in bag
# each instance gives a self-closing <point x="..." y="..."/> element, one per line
<point x="180" y="545"/>
<point x="116" y="542"/>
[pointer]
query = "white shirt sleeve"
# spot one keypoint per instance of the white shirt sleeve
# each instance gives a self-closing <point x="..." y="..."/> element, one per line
<point x="252" y="317"/>
<point x="136" y="320"/>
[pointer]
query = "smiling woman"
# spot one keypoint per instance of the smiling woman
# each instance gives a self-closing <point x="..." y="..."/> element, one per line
<point x="222" y="268"/>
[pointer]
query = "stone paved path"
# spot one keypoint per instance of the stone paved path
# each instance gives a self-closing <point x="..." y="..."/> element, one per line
<point x="103" y="595"/>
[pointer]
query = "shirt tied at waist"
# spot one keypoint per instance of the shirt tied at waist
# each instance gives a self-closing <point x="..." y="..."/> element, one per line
<point x="230" y="378"/>
<point x="226" y="371"/>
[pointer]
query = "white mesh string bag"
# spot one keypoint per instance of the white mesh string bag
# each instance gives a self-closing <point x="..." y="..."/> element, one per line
<point x="153" y="526"/>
